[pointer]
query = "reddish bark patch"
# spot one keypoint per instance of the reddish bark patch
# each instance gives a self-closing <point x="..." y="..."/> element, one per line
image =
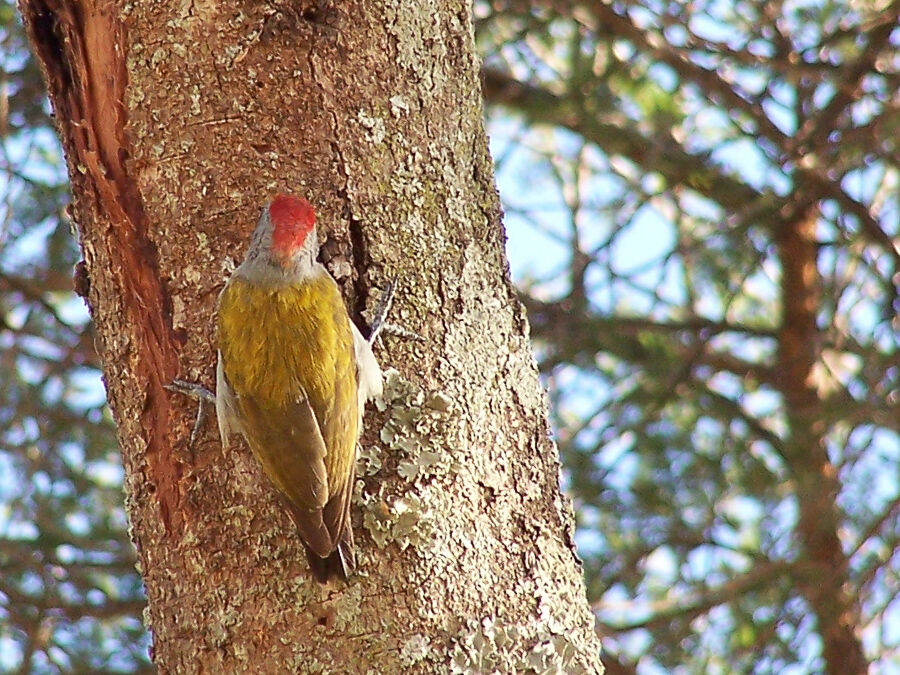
<point x="81" y="46"/>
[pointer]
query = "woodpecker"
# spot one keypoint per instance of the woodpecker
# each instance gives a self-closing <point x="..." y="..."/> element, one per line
<point x="293" y="376"/>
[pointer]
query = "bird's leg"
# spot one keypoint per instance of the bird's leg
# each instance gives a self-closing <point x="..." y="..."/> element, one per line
<point x="204" y="398"/>
<point x="381" y="312"/>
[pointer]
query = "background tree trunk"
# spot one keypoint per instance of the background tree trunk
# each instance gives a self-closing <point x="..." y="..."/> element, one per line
<point x="179" y="121"/>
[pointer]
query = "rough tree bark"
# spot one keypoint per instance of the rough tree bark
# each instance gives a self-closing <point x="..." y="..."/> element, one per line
<point x="179" y="120"/>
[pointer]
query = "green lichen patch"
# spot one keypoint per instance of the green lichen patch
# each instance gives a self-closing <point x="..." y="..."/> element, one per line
<point x="408" y="521"/>
<point x="416" y="429"/>
<point x="415" y="650"/>
<point x="495" y="647"/>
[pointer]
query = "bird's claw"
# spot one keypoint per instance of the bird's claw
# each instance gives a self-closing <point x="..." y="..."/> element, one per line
<point x="381" y="312"/>
<point x="399" y="331"/>
<point x="204" y="397"/>
<point x="192" y="389"/>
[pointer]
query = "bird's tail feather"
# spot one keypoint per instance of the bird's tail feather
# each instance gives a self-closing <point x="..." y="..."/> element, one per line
<point x="340" y="564"/>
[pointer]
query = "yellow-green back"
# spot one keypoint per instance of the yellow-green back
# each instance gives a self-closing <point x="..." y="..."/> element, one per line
<point x="277" y="343"/>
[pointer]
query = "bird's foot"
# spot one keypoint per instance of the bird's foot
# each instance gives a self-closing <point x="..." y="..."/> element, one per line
<point x="381" y="311"/>
<point x="204" y="397"/>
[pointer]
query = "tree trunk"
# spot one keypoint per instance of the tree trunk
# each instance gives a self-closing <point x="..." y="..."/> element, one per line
<point x="179" y="121"/>
<point x="824" y="581"/>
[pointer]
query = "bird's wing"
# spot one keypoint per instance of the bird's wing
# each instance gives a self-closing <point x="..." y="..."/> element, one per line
<point x="288" y="443"/>
<point x="226" y="411"/>
<point x="367" y="369"/>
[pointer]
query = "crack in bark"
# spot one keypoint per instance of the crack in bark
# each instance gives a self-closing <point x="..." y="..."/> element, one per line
<point x="358" y="245"/>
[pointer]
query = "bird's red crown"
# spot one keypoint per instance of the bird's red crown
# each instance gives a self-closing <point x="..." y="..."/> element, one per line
<point x="293" y="218"/>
